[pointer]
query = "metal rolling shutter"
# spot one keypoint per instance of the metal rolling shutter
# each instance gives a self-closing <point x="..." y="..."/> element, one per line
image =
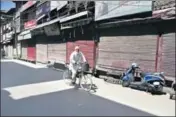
<point x="31" y="53"/>
<point x="41" y="53"/>
<point x="121" y="51"/>
<point x="168" y="54"/>
<point x="87" y="48"/>
<point x="31" y="50"/>
<point x="57" y="52"/>
<point x="24" y="50"/>
<point x="19" y="49"/>
<point x="10" y="51"/>
<point x="14" y="52"/>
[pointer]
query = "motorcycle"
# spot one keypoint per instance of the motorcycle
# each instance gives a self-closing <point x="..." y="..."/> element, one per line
<point x="150" y="82"/>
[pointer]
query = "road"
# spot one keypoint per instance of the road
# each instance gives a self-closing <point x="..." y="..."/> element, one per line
<point x="27" y="91"/>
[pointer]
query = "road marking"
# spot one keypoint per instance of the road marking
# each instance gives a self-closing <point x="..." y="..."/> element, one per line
<point x="159" y="105"/>
<point x="25" y="91"/>
<point x="25" y="63"/>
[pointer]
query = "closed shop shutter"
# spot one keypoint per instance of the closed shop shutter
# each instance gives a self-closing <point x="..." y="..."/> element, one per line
<point x="120" y="51"/>
<point x="168" y="54"/>
<point x="14" y="52"/>
<point x="31" y="50"/>
<point x="87" y="47"/>
<point x="19" y="49"/>
<point x="57" y="52"/>
<point x="10" y="51"/>
<point x="31" y="53"/>
<point x="24" y="50"/>
<point x="41" y="52"/>
<point x="6" y="50"/>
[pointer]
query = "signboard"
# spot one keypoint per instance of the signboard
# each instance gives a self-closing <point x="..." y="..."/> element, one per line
<point x="52" y="30"/>
<point x="112" y="9"/>
<point x="37" y="31"/>
<point x="43" y="9"/>
<point x="27" y="5"/>
<point x="30" y="24"/>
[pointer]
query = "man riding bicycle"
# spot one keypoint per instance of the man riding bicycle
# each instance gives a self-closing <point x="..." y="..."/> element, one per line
<point x="76" y="58"/>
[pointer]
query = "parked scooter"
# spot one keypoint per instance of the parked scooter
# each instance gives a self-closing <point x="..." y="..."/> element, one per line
<point x="150" y="82"/>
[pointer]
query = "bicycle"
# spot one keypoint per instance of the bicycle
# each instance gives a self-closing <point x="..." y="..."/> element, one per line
<point x="85" y="82"/>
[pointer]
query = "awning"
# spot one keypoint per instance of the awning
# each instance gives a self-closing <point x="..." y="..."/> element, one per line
<point x="25" y="32"/>
<point x="74" y="16"/>
<point x="47" y="23"/>
<point x="76" y="23"/>
<point x="6" y="41"/>
<point x="25" y="35"/>
<point x="127" y="22"/>
<point x="40" y="17"/>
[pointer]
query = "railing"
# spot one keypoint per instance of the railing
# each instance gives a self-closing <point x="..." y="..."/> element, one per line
<point x="73" y="7"/>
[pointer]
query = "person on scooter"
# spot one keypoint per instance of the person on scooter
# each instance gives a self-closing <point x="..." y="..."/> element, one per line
<point x="75" y="58"/>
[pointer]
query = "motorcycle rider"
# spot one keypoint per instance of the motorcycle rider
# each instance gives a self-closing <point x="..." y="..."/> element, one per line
<point x="75" y="58"/>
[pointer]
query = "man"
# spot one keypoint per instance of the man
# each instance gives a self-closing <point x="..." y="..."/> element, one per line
<point x="75" y="58"/>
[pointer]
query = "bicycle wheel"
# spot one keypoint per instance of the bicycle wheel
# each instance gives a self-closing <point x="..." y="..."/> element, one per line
<point x="86" y="82"/>
<point x="67" y="76"/>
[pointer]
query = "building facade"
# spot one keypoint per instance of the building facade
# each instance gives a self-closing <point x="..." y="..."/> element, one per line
<point x="111" y="34"/>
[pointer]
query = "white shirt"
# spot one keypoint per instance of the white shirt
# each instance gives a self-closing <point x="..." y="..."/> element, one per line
<point x="77" y="57"/>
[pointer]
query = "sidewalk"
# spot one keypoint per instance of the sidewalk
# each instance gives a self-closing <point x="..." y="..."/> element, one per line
<point x="28" y="64"/>
<point x="159" y="105"/>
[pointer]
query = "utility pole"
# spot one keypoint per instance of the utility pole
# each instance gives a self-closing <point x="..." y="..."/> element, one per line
<point x="15" y="35"/>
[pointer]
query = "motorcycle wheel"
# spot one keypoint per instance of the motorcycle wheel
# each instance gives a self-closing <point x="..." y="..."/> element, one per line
<point x="160" y="89"/>
<point x="125" y="83"/>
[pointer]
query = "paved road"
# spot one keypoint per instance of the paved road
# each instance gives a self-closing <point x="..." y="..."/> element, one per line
<point x="18" y="82"/>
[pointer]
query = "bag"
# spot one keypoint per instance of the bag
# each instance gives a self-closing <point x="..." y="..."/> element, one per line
<point x="85" y="67"/>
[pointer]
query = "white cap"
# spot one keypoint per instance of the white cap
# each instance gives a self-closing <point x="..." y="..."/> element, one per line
<point x="76" y="47"/>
